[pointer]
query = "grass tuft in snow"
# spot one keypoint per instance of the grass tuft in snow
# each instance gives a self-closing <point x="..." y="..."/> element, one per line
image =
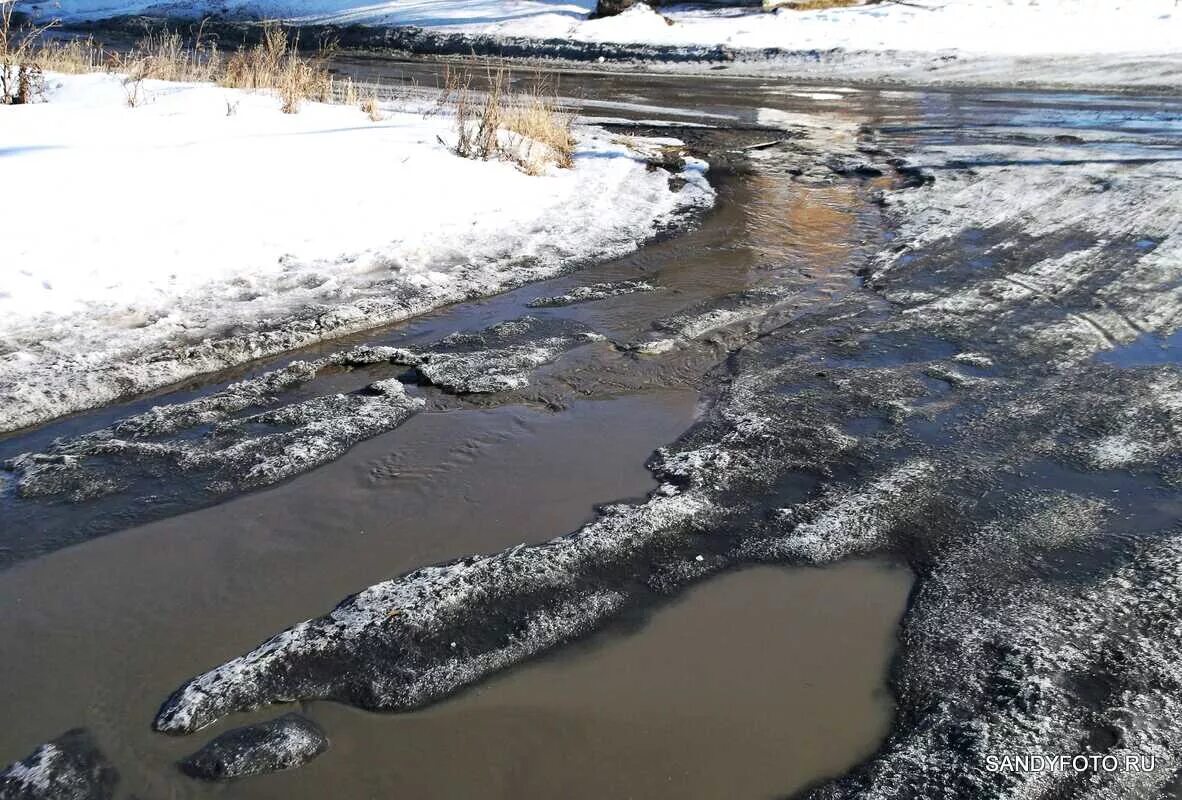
<point x="525" y="127"/>
<point x="21" y="77"/>
<point x="275" y="63"/>
<point x="535" y="118"/>
<point x="370" y="106"/>
<point x="162" y="56"/>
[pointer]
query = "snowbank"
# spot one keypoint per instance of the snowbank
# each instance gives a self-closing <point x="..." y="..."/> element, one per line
<point x="986" y="27"/>
<point x="996" y="27"/>
<point x="205" y="228"/>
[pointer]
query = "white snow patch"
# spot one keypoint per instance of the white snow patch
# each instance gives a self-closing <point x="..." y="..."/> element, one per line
<point x="141" y="229"/>
<point x="1113" y="452"/>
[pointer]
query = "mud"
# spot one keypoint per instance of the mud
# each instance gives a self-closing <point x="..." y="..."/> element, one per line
<point x="855" y="430"/>
<point x="655" y="707"/>
<point x="966" y="409"/>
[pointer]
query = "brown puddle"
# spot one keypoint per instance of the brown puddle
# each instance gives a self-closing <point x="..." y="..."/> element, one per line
<point x="751" y="685"/>
<point x="99" y="634"/>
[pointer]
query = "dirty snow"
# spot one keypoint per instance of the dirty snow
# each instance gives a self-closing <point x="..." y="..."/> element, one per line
<point x="69" y="767"/>
<point x="415" y="617"/>
<point x="205" y="228"/>
<point x="979" y="42"/>
<point x="1102" y="214"/>
<point x="1004" y="27"/>
<point x="285" y="742"/>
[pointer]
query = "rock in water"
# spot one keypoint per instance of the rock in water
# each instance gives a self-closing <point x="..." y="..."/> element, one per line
<point x="68" y="768"/>
<point x="282" y="743"/>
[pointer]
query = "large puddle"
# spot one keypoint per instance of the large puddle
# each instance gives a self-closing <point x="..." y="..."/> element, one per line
<point x="679" y="704"/>
<point x="689" y="700"/>
<point x="689" y="703"/>
<point x="97" y="634"/>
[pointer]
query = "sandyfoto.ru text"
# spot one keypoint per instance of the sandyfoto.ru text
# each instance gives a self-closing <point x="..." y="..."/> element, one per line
<point x="1037" y="762"/>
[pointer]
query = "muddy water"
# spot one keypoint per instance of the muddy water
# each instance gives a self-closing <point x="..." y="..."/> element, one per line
<point x="98" y="634"/>
<point x="700" y="697"/>
<point x="688" y="701"/>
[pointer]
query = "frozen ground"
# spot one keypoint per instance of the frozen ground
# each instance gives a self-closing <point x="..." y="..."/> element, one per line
<point x="1079" y="42"/>
<point x="205" y="228"/>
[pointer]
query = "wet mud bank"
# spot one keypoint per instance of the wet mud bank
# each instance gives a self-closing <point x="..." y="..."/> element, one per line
<point x="912" y="331"/>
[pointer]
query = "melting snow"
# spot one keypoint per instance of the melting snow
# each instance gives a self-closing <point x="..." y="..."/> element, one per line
<point x="206" y="219"/>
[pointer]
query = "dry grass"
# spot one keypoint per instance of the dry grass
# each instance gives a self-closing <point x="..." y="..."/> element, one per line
<point x="133" y="88"/>
<point x="346" y="92"/>
<point x="275" y="63"/>
<point x="21" y="77"/>
<point x="369" y="105"/>
<point x="166" y="57"/>
<point x="525" y="127"/>
<point x="476" y="122"/>
<point x="539" y="121"/>
<point x="74" y="56"/>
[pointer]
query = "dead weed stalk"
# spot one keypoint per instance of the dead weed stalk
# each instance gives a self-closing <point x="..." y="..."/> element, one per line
<point x="524" y="126"/>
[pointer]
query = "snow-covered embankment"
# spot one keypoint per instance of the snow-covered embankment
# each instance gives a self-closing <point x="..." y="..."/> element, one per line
<point x="1080" y="43"/>
<point x="203" y="228"/>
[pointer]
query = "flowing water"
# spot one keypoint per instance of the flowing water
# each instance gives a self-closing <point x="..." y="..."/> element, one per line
<point x="757" y="683"/>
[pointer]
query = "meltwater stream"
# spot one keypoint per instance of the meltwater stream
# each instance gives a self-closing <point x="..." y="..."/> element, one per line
<point x="876" y="350"/>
